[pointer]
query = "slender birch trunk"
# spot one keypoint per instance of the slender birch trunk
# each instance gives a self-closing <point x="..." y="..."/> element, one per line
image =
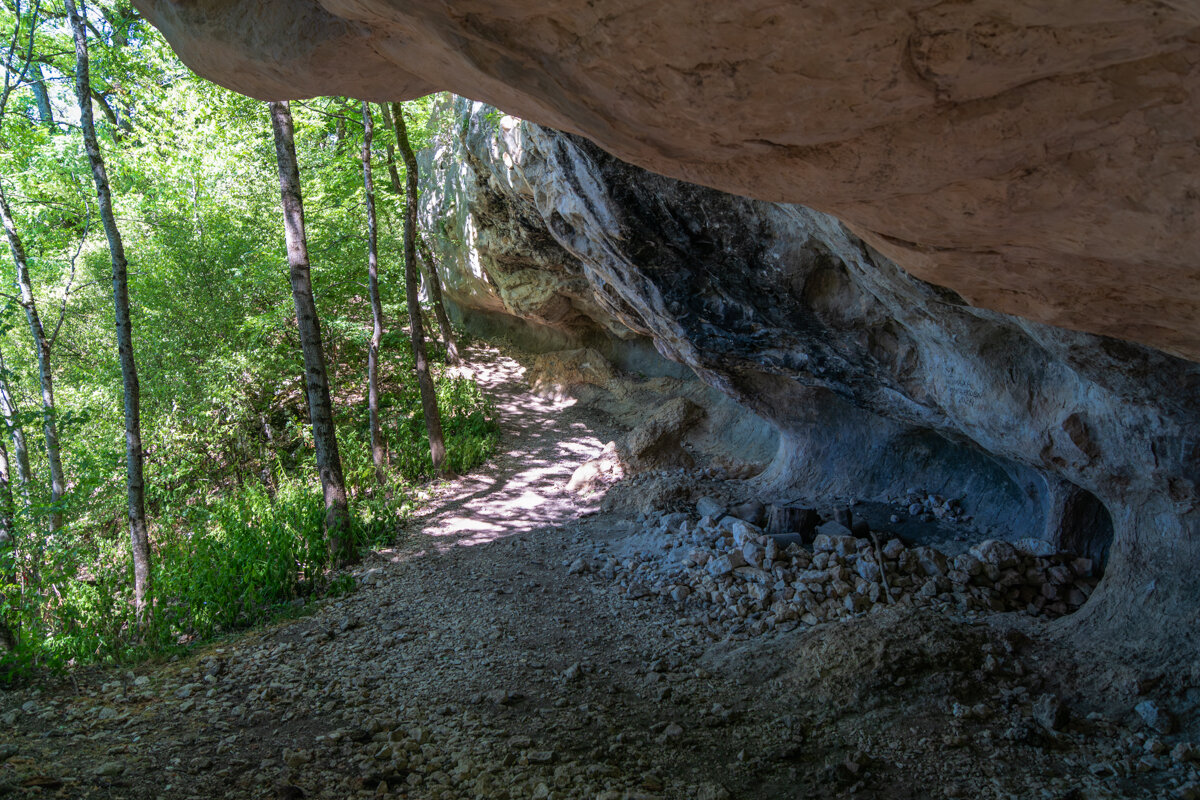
<point x="8" y="410"/>
<point x="42" y="346"/>
<point x="433" y="418"/>
<point x="431" y="273"/>
<point x="376" y="304"/>
<point x="439" y="309"/>
<point x="134" y="479"/>
<point x="320" y="409"/>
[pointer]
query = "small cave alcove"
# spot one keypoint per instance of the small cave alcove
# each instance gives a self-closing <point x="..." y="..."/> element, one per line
<point x="1086" y="528"/>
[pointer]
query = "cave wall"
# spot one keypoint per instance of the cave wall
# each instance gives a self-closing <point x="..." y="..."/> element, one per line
<point x="506" y="277"/>
<point x="876" y="380"/>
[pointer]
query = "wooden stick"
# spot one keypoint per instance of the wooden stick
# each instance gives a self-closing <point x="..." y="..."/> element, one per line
<point x="882" y="569"/>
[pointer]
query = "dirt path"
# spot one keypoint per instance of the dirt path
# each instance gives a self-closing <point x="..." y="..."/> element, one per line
<point x="523" y="488"/>
<point x="471" y="664"/>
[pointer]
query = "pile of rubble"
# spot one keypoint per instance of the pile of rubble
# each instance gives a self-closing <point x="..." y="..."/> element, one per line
<point x="728" y="571"/>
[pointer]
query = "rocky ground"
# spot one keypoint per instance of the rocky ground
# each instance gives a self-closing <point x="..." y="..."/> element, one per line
<point x="478" y="659"/>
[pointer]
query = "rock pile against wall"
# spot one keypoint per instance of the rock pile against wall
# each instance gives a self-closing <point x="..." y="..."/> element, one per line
<point x="733" y="577"/>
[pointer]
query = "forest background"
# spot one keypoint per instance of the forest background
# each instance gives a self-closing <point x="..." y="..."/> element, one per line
<point x="234" y="505"/>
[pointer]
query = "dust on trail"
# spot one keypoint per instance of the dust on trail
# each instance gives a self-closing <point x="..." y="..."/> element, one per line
<point x="470" y="664"/>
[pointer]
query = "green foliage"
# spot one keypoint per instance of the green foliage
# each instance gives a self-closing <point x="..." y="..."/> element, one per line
<point x="231" y="488"/>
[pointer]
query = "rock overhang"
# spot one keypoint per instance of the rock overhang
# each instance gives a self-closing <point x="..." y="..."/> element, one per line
<point x="1038" y="159"/>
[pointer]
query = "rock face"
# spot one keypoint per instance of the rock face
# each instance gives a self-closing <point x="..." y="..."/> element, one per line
<point x="876" y="380"/>
<point x="1037" y="158"/>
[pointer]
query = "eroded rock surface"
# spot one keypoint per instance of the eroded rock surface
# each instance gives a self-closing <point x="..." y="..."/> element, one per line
<point x="877" y="381"/>
<point x="1037" y="158"/>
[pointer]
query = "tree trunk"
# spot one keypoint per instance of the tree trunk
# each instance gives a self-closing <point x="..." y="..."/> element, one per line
<point x="431" y="274"/>
<point x="37" y="83"/>
<point x="41" y="345"/>
<point x="426" y="322"/>
<point x="7" y="510"/>
<point x="376" y="304"/>
<point x="135" y="484"/>
<point x="435" y="294"/>
<point x="8" y="410"/>
<point x="433" y="419"/>
<point x="7" y="543"/>
<point x="320" y="409"/>
<point x="8" y="532"/>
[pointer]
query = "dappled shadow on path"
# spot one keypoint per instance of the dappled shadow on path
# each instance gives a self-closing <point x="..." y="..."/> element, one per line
<point x="524" y="487"/>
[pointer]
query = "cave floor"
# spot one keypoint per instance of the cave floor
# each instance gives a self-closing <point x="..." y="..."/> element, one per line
<point x="470" y="664"/>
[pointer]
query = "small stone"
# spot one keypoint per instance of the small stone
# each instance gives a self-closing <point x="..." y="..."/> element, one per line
<point x="109" y="768"/>
<point x="893" y="549"/>
<point x="573" y="672"/>
<point x="637" y="590"/>
<point x="1184" y="753"/>
<point x="868" y="570"/>
<point x="8" y="750"/>
<point x="832" y="532"/>
<point x="709" y="507"/>
<point x="725" y="564"/>
<point x="993" y="551"/>
<point x="855" y="603"/>
<point x="1156" y="716"/>
<point x="965" y="562"/>
<point x="1051" y="712"/>
<point x="743" y="532"/>
<point x="670" y="522"/>
<point x="1036" y="548"/>
<point x="680" y="593"/>
<point x="753" y="553"/>
<point x="931" y="561"/>
<point x="653" y="783"/>
<point x="710" y="791"/>
<point x="672" y="731"/>
<point x="540" y="756"/>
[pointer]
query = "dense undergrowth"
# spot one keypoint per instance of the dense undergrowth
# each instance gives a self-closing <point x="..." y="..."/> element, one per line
<point x="233" y="545"/>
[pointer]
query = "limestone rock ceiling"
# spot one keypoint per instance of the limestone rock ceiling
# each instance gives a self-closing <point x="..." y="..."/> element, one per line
<point x="1037" y="157"/>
